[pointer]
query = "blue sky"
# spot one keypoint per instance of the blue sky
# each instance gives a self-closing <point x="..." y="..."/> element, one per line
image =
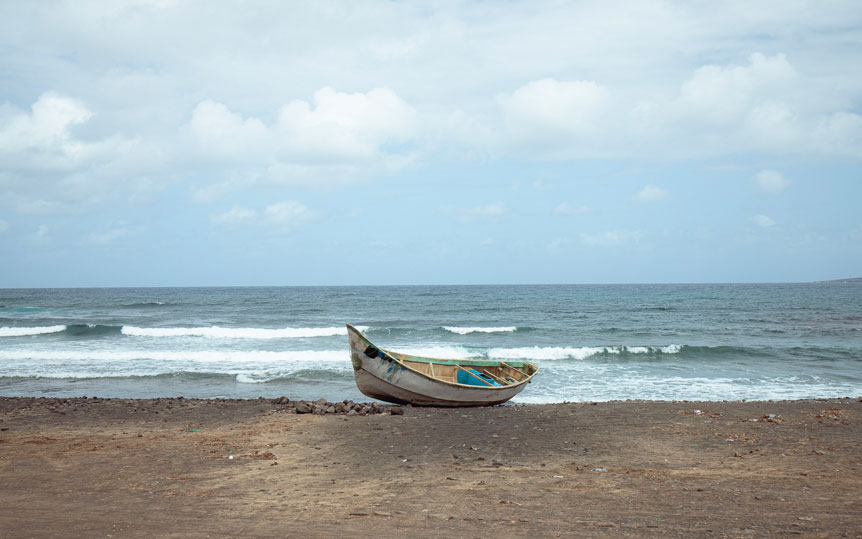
<point x="158" y="143"/>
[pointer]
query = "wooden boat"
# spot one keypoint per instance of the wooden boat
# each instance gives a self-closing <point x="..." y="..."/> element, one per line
<point x="405" y="379"/>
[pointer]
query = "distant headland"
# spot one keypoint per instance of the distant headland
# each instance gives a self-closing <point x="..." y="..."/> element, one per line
<point x="850" y="280"/>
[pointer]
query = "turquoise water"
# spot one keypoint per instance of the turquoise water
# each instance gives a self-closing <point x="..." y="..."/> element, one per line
<point x="602" y="342"/>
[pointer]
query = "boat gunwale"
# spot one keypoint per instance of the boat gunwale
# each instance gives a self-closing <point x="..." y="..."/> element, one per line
<point x="447" y="362"/>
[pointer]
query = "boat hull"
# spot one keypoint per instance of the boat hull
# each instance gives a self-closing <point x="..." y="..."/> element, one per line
<point x="388" y="379"/>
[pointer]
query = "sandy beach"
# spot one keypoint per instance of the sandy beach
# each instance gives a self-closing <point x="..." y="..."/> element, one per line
<point x="88" y="467"/>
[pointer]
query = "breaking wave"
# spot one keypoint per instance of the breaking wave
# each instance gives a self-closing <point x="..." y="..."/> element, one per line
<point x="255" y="357"/>
<point x="467" y="330"/>
<point x="216" y="332"/>
<point x="213" y="332"/>
<point x="583" y="352"/>
<point x="24" y="332"/>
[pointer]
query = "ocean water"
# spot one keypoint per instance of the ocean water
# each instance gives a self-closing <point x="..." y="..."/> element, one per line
<point x="592" y="342"/>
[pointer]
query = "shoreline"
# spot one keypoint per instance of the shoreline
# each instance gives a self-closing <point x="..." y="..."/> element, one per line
<point x="368" y="401"/>
<point x="255" y="468"/>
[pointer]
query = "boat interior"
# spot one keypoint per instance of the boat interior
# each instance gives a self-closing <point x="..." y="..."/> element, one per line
<point x="494" y="374"/>
<point x="465" y="372"/>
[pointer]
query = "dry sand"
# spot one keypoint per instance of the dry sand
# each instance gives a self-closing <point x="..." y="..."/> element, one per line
<point x="163" y="468"/>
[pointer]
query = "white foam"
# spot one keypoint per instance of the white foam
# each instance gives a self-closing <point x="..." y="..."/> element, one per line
<point x="546" y="353"/>
<point x="467" y="330"/>
<point x="254" y="366"/>
<point x="669" y="349"/>
<point x="243" y="378"/>
<point x="216" y="332"/>
<point x="622" y="386"/>
<point x="440" y="352"/>
<point x="557" y="352"/>
<point x="256" y="357"/>
<point x="23" y="332"/>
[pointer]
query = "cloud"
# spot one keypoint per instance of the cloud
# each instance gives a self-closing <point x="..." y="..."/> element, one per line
<point x="489" y="210"/>
<point x="221" y="133"/>
<point x="548" y="117"/>
<point x="46" y="140"/>
<point x="651" y="193"/>
<point x="45" y="207"/>
<point x="558" y="106"/>
<point x="51" y="162"/>
<point x="335" y="127"/>
<point x="46" y="129"/>
<point x="320" y="96"/>
<point x="114" y="234"/>
<point x="279" y="216"/>
<point x="765" y="105"/>
<point x="763" y="221"/>
<point x="42" y="144"/>
<point x="719" y="96"/>
<point x="286" y="213"/>
<point x="771" y="182"/>
<point x="612" y="237"/>
<point x="762" y="104"/>
<point x="325" y="142"/>
<point x="838" y="133"/>
<point x="237" y="215"/>
<point x="349" y="126"/>
<point x="54" y="159"/>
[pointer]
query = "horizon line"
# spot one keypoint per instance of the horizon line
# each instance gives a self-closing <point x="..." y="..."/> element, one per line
<point x="654" y="283"/>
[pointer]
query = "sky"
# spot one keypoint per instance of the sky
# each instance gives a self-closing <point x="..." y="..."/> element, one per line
<point x="200" y="143"/>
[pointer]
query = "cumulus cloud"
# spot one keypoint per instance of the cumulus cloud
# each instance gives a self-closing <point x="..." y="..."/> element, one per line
<point x="761" y="104"/>
<point x="50" y="163"/>
<point x="222" y="133"/>
<point x="42" y="138"/>
<point x="719" y="96"/>
<point x="771" y="182"/>
<point x="561" y="106"/>
<point x="548" y="117"/>
<point x="324" y="142"/>
<point x="764" y="105"/>
<point x="337" y="94"/>
<point x="650" y="193"/>
<point x="342" y="125"/>
<point x="49" y="166"/>
<point x="334" y="127"/>
<point x="763" y="221"/>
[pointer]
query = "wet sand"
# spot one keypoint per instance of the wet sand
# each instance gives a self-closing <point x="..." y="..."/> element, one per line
<point x="255" y="468"/>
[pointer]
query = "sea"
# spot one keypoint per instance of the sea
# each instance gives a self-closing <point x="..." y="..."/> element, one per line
<point x="592" y="342"/>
